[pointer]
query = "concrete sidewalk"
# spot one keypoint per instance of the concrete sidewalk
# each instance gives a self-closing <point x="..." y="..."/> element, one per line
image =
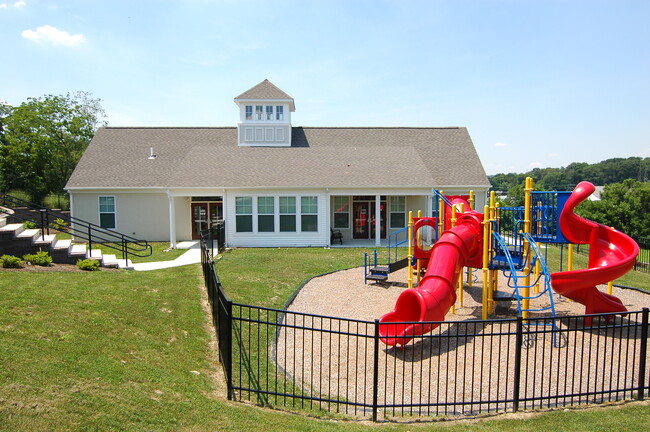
<point x="192" y="256"/>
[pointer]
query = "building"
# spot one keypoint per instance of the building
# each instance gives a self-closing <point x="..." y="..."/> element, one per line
<point x="274" y="184"/>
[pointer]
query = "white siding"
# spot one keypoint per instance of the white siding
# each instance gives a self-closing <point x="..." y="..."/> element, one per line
<point x="277" y="238"/>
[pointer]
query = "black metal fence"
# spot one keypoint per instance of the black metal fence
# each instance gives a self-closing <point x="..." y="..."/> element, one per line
<point x="324" y="364"/>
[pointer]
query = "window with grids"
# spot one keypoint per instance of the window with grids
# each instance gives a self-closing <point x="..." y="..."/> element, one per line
<point x="397" y="212"/>
<point x="341" y="212"/>
<point x="107" y="212"/>
<point x="279" y="112"/>
<point x="249" y="112"/>
<point x="259" y="113"/>
<point x="244" y="214"/>
<point x="265" y="214"/>
<point x="287" y="214"/>
<point x="269" y="112"/>
<point x="309" y="214"/>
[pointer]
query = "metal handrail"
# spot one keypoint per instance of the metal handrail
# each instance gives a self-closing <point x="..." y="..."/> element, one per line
<point x="78" y="228"/>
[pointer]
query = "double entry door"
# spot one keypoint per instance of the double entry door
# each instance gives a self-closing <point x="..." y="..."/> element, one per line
<point x="204" y="215"/>
<point x="364" y="219"/>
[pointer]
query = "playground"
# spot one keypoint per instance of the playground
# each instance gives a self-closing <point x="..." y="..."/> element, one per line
<point x="451" y="344"/>
<point x="463" y="361"/>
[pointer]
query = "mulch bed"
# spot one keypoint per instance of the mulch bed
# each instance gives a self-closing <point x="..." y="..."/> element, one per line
<point x="61" y="268"/>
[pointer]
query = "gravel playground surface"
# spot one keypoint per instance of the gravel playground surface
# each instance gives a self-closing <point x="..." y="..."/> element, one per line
<point x="447" y="373"/>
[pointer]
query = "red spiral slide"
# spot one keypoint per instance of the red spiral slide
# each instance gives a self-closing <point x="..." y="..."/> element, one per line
<point x="611" y="255"/>
<point x="431" y="300"/>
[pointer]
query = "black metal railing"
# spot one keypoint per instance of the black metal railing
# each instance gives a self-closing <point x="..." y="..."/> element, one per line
<point x="47" y="219"/>
<point x="643" y="259"/>
<point x="317" y="363"/>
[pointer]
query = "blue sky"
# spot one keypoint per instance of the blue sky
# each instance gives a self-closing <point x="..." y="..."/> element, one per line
<point x="537" y="83"/>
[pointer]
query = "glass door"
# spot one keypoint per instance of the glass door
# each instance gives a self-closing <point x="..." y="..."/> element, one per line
<point x="200" y="219"/>
<point x="361" y="218"/>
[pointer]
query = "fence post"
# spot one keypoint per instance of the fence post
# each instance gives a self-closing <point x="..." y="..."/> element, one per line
<point x="518" y="344"/>
<point x="642" y="352"/>
<point x="375" y="372"/>
<point x="226" y="333"/>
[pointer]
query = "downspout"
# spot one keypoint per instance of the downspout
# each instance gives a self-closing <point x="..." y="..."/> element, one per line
<point x="172" y="221"/>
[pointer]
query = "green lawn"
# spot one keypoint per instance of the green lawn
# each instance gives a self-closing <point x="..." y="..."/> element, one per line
<point x="131" y="351"/>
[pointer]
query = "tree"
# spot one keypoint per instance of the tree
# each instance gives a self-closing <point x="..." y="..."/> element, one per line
<point x="624" y="206"/>
<point x="43" y="140"/>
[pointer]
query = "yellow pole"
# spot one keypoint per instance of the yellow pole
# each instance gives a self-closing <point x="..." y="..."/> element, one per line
<point x="460" y="276"/>
<point x="453" y="224"/>
<point x="419" y="264"/>
<point x="441" y="215"/>
<point x="610" y="287"/>
<point x="527" y="220"/>
<point x="410" y="255"/>
<point x="570" y="264"/>
<point x="486" y="261"/>
<point x="471" y="202"/>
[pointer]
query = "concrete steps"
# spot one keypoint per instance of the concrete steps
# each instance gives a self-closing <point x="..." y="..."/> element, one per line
<point x="18" y="241"/>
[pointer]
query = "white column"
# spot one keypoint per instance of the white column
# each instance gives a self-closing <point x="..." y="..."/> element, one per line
<point x="172" y="221"/>
<point x="378" y="220"/>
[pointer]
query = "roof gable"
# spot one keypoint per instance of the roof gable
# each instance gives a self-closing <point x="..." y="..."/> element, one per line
<point x="266" y="90"/>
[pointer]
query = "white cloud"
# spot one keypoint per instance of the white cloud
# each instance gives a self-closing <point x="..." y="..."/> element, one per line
<point x="534" y="165"/>
<point x="53" y="35"/>
<point x="500" y="144"/>
<point x="18" y="4"/>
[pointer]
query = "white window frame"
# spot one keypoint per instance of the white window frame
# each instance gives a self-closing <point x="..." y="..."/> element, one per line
<point x="394" y="202"/>
<point x="279" y="112"/>
<point x="114" y="212"/>
<point x="259" y="112"/>
<point x="251" y="214"/>
<point x="347" y="212"/>
<point x="281" y="213"/>
<point x="303" y="213"/>
<point x="258" y="213"/>
<point x="248" y="115"/>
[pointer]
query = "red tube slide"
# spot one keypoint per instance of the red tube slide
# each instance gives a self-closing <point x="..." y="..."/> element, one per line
<point x="436" y="294"/>
<point x="611" y="255"/>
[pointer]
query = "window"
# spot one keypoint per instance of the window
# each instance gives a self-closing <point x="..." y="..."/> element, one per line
<point x="279" y="112"/>
<point x="269" y="113"/>
<point x="107" y="212"/>
<point x="309" y="214"/>
<point x="244" y="214"/>
<point x="287" y="214"/>
<point x="397" y="212"/>
<point x="249" y="112"/>
<point x="258" y="112"/>
<point x="341" y="212"/>
<point x="265" y="214"/>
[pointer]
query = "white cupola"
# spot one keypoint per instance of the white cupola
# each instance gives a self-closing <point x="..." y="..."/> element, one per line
<point x="264" y="116"/>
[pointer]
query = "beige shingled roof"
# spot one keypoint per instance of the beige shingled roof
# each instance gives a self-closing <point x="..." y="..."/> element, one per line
<point x="318" y="157"/>
<point x="266" y="90"/>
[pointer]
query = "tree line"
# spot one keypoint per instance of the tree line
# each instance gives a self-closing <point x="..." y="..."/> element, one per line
<point x="624" y="203"/>
<point x="43" y="138"/>
<point x="609" y="171"/>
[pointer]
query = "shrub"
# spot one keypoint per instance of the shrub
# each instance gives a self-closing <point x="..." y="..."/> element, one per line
<point x="10" y="261"/>
<point x="29" y="224"/>
<point x="40" y="258"/>
<point x="59" y="224"/>
<point x="88" y="264"/>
